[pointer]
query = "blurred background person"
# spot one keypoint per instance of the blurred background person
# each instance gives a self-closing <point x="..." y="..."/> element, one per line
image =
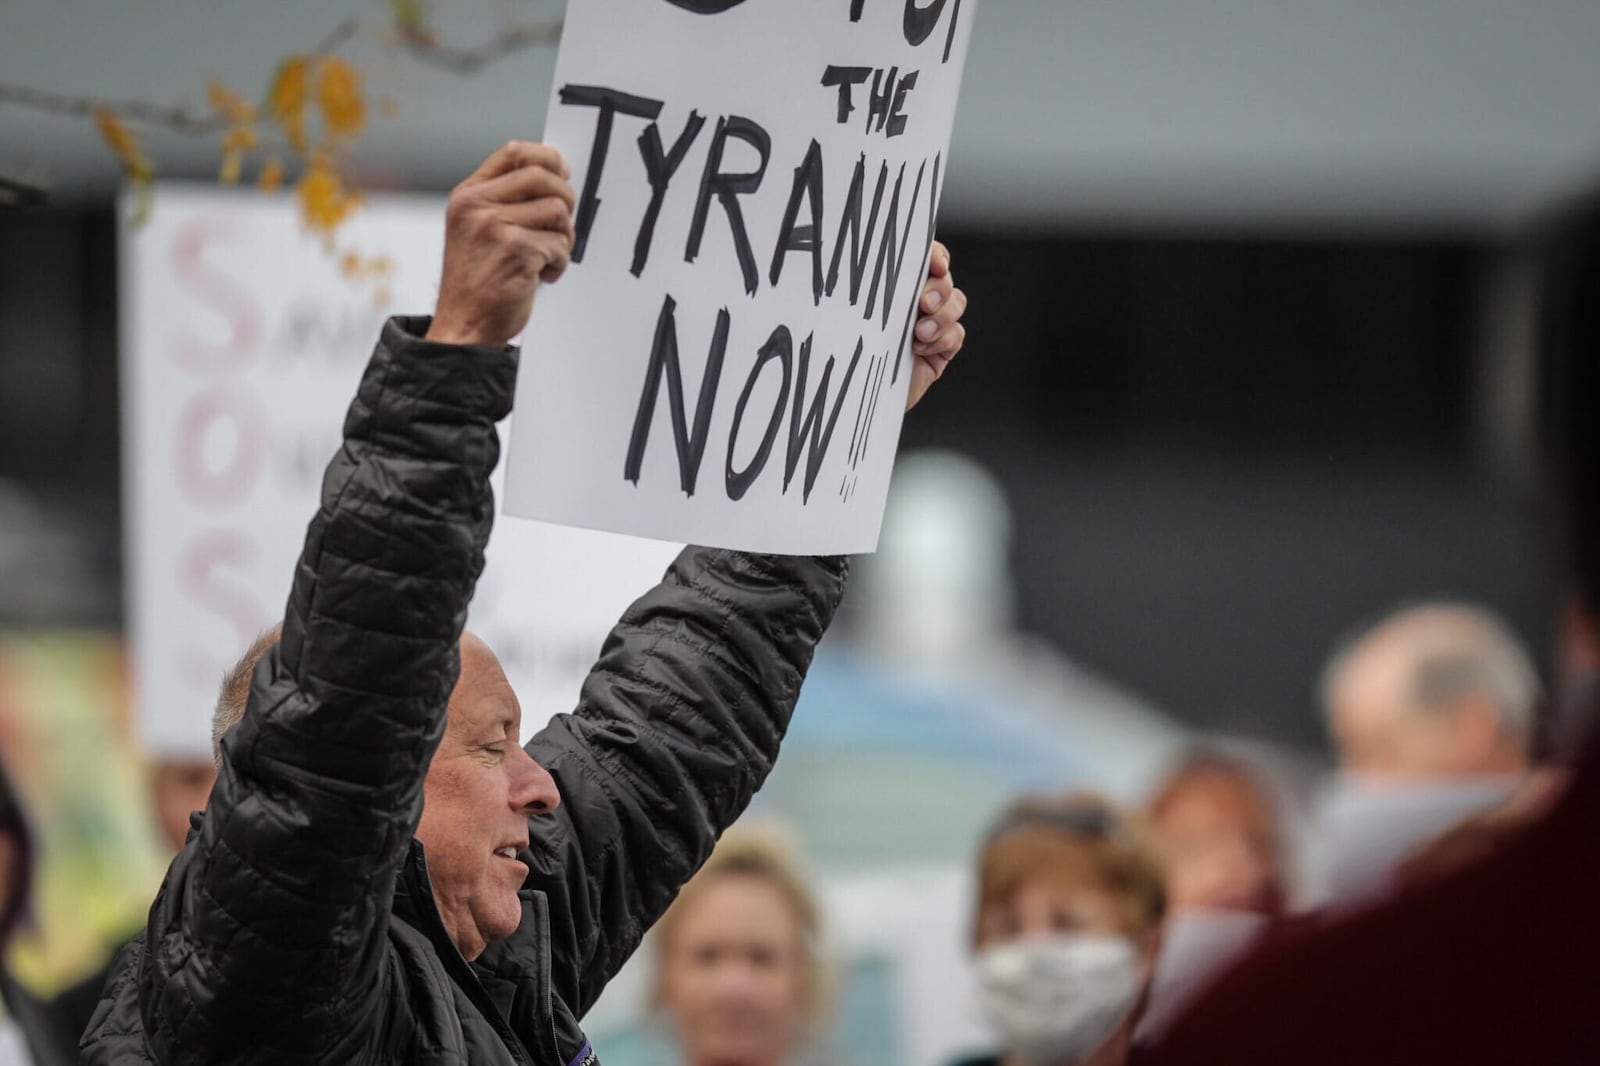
<point x="740" y="979"/>
<point x="80" y="857"/>
<point x="1216" y="822"/>
<point x="33" y="1032"/>
<point x="1433" y="713"/>
<point x="1441" y="973"/>
<point x="1070" y="902"/>
<point x="178" y="786"/>
<point x="1575" y="707"/>
<point x="181" y="777"/>
<point x="1437" y="690"/>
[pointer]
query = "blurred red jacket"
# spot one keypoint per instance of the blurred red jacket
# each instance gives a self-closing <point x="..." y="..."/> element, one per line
<point x="1496" y="964"/>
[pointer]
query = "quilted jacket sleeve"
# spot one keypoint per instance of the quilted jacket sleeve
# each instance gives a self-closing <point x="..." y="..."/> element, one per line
<point x="677" y="726"/>
<point x="269" y="946"/>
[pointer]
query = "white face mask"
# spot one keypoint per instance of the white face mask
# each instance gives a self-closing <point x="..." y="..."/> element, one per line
<point x="1055" y="1000"/>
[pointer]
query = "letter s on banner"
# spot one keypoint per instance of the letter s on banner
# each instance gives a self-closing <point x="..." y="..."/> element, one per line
<point x="217" y="292"/>
<point x="200" y="575"/>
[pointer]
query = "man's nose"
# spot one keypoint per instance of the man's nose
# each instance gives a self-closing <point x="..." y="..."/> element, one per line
<point x="534" y="791"/>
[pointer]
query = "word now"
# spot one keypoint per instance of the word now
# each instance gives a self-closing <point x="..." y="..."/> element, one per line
<point x="811" y="425"/>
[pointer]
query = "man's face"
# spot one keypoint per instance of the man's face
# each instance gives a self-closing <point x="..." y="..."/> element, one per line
<point x="480" y="791"/>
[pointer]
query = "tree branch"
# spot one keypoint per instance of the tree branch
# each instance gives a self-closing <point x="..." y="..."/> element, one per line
<point x="337" y="38"/>
<point x="14" y="192"/>
<point x="415" y="37"/>
<point x="175" y="119"/>
<point x="426" y="50"/>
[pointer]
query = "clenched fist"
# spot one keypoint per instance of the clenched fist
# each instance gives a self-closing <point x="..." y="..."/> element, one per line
<point x="508" y="228"/>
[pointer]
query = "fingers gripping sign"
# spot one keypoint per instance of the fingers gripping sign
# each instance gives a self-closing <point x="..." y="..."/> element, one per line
<point x="939" y="334"/>
<point x="508" y="228"/>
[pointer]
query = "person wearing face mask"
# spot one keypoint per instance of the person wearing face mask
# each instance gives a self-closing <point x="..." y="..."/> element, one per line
<point x="738" y="975"/>
<point x="1070" y="902"/>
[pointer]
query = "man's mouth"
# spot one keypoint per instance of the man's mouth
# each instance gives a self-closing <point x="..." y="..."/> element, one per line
<point x="507" y="852"/>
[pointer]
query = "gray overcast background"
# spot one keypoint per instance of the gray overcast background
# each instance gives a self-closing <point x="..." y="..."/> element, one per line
<point x="1444" y="115"/>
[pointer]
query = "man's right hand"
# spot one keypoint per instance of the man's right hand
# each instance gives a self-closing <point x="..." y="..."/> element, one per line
<point x="508" y="227"/>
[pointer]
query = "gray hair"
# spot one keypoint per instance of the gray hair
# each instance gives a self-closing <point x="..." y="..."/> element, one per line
<point x="234" y="695"/>
<point x="1454" y="650"/>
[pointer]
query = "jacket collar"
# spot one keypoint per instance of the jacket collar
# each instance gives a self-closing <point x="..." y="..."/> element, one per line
<point x="415" y="905"/>
<point x="413" y="899"/>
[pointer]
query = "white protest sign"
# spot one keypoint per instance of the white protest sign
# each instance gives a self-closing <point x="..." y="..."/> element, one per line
<point x="242" y="342"/>
<point x="726" y="362"/>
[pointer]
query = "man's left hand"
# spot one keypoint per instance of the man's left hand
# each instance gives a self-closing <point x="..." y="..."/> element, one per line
<point x="938" y="334"/>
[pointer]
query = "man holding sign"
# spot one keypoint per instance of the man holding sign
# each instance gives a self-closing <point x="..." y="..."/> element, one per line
<point x="382" y="875"/>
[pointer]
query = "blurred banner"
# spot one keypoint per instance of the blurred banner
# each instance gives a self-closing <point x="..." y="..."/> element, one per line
<point x="66" y="745"/>
<point x="243" y="338"/>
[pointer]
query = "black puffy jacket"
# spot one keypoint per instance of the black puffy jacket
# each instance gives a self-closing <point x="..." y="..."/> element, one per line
<point x="297" y="925"/>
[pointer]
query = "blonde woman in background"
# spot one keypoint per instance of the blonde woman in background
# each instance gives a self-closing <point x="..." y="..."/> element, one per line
<point x="739" y="977"/>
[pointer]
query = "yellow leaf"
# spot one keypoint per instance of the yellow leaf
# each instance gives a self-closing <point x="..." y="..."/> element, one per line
<point x="350" y="265"/>
<point x="239" y="111"/>
<point x="325" y="200"/>
<point x="239" y="139"/>
<point x="344" y="107"/>
<point x="232" y="162"/>
<point x="144" y="199"/>
<point x="380" y="296"/>
<point x="271" y="174"/>
<point x="240" y="135"/>
<point x="136" y="166"/>
<point x="123" y="144"/>
<point x="287" y="101"/>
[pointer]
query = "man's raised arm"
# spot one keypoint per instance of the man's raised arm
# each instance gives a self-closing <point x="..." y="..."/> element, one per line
<point x="266" y="942"/>
<point x="678" y="725"/>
